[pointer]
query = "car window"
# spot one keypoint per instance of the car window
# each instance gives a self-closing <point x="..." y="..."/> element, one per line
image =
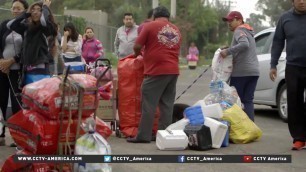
<point x="263" y="43"/>
<point x="270" y="41"/>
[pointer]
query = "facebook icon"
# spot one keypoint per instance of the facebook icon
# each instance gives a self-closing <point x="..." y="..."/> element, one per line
<point x="181" y="159"/>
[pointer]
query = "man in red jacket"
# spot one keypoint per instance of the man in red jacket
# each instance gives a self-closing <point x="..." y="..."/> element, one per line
<point x="162" y="41"/>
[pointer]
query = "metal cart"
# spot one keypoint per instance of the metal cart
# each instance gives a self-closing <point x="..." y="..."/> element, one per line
<point x="65" y="146"/>
<point x="107" y="109"/>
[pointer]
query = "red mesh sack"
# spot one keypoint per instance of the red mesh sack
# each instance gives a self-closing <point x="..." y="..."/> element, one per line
<point x="101" y="128"/>
<point x="130" y="77"/>
<point x="39" y="135"/>
<point x="45" y="97"/>
<point x="42" y="167"/>
<point x="10" y="165"/>
<point x="34" y="132"/>
<point x="105" y="91"/>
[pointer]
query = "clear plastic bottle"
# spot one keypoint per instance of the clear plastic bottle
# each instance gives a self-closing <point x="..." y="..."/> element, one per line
<point x="215" y="86"/>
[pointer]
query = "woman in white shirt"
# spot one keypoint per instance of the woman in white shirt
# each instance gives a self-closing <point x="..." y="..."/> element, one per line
<point x="71" y="44"/>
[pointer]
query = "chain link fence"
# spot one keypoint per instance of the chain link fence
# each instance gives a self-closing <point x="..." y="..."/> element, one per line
<point x="106" y="34"/>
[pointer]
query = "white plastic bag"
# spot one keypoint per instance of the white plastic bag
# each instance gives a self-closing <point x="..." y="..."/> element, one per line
<point x="221" y="67"/>
<point x="92" y="143"/>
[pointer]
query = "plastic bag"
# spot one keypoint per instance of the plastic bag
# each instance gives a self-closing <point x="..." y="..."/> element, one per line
<point x="105" y="91"/>
<point x="221" y="67"/>
<point x="91" y="143"/>
<point x="98" y="71"/>
<point x="223" y="94"/>
<point x="242" y="130"/>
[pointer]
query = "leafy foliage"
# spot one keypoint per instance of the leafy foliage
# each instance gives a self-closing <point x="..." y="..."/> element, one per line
<point x="273" y="8"/>
<point x="256" y="21"/>
<point x="198" y="23"/>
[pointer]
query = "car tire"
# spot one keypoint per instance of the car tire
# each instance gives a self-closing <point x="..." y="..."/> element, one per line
<point x="282" y="103"/>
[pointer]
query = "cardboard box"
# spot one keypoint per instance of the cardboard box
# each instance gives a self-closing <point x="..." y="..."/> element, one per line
<point x="106" y="110"/>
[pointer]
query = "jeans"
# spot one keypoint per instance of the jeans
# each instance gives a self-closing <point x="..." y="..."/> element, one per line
<point x="245" y="87"/>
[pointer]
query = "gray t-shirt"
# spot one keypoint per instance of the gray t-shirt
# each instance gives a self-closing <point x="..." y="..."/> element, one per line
<point x="243" y="49"/>
<point x="125" y="40"/>
<point x="13" y="43"/>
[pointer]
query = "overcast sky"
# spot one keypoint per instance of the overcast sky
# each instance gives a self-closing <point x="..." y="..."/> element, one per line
<point x="246" y="7"/>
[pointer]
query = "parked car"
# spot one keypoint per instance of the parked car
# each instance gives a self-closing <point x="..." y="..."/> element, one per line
<point x="267" y="92"/>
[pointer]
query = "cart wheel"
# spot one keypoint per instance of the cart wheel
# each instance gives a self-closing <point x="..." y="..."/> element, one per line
<point x="192" y="67"/>
<point x="118" y="133"/>
<point x="113" y="126"/>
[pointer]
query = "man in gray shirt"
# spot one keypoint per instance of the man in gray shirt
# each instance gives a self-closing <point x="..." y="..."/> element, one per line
<point x="245" y="63"/>
<point x="126" y="36"/>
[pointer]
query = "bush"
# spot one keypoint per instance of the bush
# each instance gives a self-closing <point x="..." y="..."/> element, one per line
<point x="112" y="58"/>
<point x="210" y="50"/>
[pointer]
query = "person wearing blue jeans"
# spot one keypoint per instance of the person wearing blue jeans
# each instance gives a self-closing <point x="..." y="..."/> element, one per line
<point x="245" y="63"/>
<point x="245" y="87"/>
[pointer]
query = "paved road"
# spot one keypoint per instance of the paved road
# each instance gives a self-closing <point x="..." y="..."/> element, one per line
<point x="275" y="140"/>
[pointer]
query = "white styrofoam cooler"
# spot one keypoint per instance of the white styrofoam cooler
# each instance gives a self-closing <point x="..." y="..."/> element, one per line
<point x="218" y="131"/>
<point x="171" y="140"/>
<point x="178" y="125"/>
<point x="212" y="110"/>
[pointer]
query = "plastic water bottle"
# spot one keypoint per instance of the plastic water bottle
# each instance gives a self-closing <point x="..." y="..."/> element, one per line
<point x="216" y="86"/>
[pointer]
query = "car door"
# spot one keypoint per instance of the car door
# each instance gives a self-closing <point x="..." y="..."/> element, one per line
<point x="264" y="87"/>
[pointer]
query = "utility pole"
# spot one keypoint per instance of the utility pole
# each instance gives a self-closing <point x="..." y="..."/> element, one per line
<point x="231" y="3"/>
<point x="173" y="8"/>
<point x="155" y="3"/>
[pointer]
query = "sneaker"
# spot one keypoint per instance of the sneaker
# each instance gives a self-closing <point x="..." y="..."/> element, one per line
<point x="298" y="145"/>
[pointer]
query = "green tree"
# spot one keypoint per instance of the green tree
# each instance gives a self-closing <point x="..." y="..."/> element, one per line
<point x="80" y="4"/>
<point x="273" y="8"/>
<point x="194" y="21"/>
<point x="255" y="21"/>
<point x="57" y="7"/>
<point x="108" y="5"/>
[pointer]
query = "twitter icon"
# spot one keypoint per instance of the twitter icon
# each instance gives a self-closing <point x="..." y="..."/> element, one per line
<point x="107" y="158"/>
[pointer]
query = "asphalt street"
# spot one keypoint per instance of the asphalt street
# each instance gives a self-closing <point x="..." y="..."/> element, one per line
<point x="275" y="140"/>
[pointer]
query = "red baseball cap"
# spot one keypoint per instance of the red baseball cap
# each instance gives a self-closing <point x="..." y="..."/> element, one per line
<point x="233" y="15"/>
